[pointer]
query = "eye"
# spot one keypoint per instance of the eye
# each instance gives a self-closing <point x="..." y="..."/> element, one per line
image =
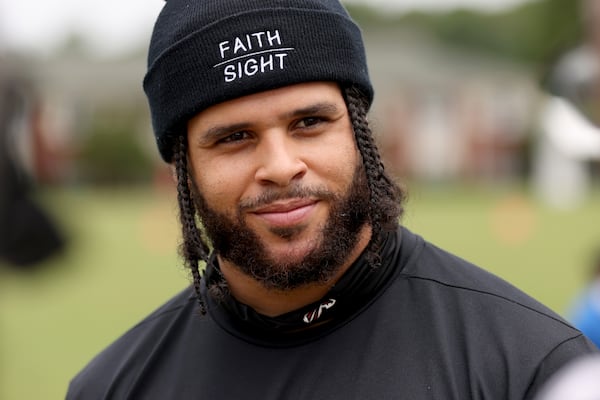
<point x="235" y="137"/>
<point x="310" y="122"/>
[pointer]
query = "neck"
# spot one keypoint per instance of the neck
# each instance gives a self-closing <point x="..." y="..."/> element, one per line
<point x="273" y="302"/>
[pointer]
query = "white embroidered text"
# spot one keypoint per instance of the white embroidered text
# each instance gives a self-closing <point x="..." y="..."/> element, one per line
<point x="251" y="54"/>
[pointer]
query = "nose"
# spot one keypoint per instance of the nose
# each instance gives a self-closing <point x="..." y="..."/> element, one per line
<point x="279" y="160"/>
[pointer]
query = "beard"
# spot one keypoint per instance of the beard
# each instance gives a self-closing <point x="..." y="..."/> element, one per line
<point x="233" y="240"/>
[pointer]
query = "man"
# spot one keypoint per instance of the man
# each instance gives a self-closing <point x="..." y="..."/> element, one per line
<point x="311" y="289"/>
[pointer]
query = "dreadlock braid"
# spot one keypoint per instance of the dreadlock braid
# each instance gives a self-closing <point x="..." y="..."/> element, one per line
<point x="193" y="248"/>
<point x="386" y="195"/>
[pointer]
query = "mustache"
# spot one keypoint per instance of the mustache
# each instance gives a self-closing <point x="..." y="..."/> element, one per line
<point x="293" y="192"/>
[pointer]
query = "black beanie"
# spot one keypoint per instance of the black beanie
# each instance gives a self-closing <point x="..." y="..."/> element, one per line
<point x="204" y="52"/>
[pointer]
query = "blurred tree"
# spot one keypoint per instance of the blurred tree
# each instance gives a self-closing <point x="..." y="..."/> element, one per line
<point x="74" y="46"/>
<point x="112" y="153"/>
<point x="534" y="32"/>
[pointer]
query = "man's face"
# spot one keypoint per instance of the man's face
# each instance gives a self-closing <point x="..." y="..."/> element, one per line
<point x="279" y="184"/>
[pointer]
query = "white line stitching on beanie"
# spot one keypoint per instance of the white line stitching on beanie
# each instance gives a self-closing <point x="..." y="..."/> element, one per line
<point x="252" y="54"/>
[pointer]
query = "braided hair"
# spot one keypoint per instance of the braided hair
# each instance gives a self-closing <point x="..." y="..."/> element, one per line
<point x="386" y="197"/>
<point x="193" y="248"/>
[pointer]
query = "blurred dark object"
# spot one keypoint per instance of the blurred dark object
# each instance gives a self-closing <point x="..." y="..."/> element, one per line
<point x="27" y="233"/>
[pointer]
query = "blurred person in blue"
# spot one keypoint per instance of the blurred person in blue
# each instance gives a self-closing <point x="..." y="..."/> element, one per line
<point x="586" y="313"/>
<point x="304" y="283"/>
<point x="569" y="124"/>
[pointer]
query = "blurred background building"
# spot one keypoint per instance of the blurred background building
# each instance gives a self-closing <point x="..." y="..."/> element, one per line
<point x="458" y="98"/>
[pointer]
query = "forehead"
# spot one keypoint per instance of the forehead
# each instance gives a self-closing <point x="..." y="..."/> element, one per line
<point x="272" y="102"/>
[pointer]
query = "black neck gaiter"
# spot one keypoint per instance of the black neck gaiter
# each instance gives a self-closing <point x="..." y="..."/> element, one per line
<point x="355" y="289"/>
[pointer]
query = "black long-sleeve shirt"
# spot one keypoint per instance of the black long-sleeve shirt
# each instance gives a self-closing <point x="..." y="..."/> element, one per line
<point x="425" y="325"/>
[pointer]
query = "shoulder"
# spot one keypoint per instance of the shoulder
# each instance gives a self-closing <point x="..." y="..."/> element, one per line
<point x="437" y="267"/>
<point x="451" y="283"/>
<point x="478" y="314"/>
<point x="126" y="357"/>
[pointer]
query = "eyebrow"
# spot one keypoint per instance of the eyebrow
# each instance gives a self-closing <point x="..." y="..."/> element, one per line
<point x="317" y="108"/>
<point x="219" y="131"/>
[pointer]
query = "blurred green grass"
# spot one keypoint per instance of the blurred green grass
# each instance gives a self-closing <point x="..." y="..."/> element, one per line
<point x="122" y="263"/>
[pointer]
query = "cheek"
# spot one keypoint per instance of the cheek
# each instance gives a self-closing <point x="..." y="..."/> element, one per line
<point x="220" y="186"/>
<point x="341" y="163"/>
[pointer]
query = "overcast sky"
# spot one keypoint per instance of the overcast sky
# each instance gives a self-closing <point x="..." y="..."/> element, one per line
<point x="116" y="25"/>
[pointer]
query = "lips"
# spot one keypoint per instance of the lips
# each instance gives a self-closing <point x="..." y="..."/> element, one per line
<point x="286" y="213"/>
